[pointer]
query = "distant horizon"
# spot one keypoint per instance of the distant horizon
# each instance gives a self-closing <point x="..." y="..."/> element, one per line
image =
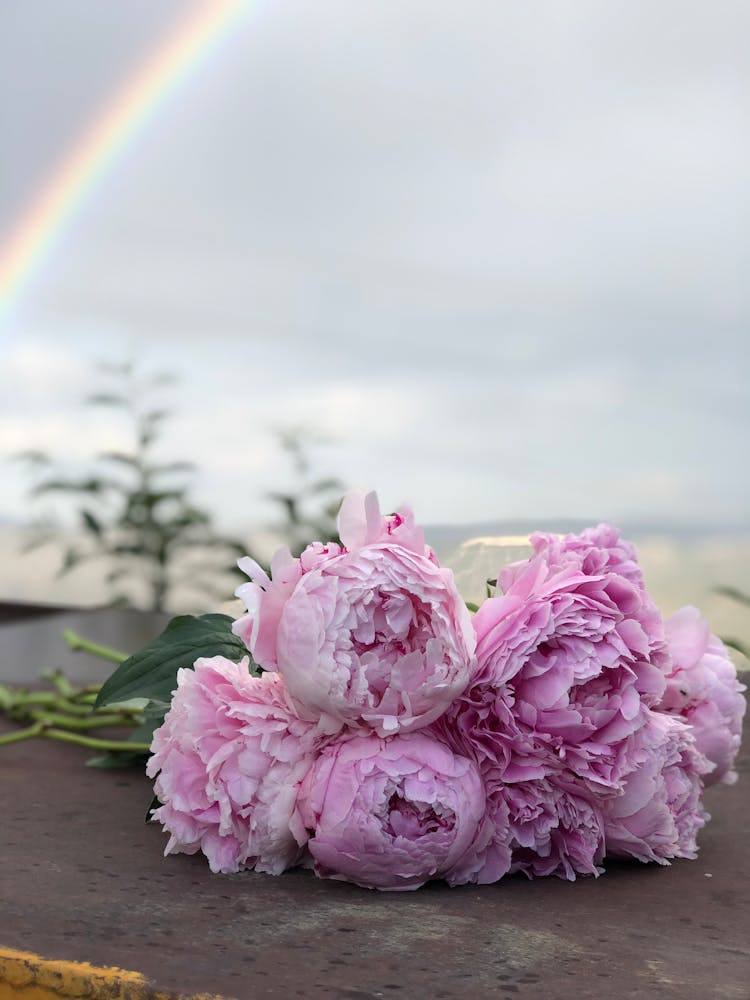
<point x="503" y="526"/>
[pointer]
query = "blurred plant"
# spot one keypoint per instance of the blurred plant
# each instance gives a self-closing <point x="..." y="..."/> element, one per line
<point x="309" y="509"/>
<point x="134" y="510"/>
<point x="736" y="595"/>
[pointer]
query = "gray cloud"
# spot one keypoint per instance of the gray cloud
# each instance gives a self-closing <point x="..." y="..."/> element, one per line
<point x="500" y="250"/>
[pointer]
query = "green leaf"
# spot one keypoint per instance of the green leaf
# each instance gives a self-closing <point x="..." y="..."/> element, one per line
<point x="71" y="559"/>
<point x="151" y="500"/>
<point x="472" y="606"/>
<point x="737" y="644"/>
<point x="91" y="522"/>
<point x="93" y="485"/>
<point x="152" y="672"/>
<point x="107" y="399"/>
<point x="735" y="594"/>
<point x="121" y="457"/>
<point x="155" y="803"/>
<point x="138" y="549"/>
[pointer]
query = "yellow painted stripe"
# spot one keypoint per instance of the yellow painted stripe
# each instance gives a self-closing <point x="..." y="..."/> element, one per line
<point x="24" y="976"/>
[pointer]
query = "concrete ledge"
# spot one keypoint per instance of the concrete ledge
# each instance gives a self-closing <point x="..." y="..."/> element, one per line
<point x="30" y="977"/>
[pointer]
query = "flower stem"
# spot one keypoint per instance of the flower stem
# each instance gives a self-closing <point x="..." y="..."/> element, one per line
<point x="71" y="707"/>
<point x="86" y="695"/>
<point x="77" y="642"/>
<point x="79" y="722"/>
<point x="92" y="742"/>
<point x="22" y="734"/>
<point x="61" y="683"/>
<point x="11" y="700"/>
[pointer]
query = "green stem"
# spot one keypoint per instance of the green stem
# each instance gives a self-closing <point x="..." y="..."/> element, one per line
<point x="77" y="642"/>
<point x="22" y="734"/>
<point x="86" y="709"/>
<point x="23" y="707"/>
<point x="79" y="722"/>
<point x="86" y="695"/>
<point x="60" y="682"/>
<point x="71" y="708"/>
<point x="93" y="743"/>
<point x="20" y="698"/>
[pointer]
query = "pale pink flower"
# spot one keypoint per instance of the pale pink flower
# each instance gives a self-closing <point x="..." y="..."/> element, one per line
<point x="702" y="688"/>
<point x="566" y="669"/>
<point x="228" y="760"/>
<point x="361" y="524"/>
<point x="392" y="814"/>
<point x="601" y="551"/>
<point x="596" y="550"/>
<point x="375" y="635"/>
<point x="659" y="812"/>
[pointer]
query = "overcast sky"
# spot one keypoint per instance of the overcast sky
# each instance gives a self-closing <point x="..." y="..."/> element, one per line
<point x="498" y="251"/>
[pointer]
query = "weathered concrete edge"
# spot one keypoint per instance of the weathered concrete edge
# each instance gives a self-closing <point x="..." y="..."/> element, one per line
<point x="32" y="977"/>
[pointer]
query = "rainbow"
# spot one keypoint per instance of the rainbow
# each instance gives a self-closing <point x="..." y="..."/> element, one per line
<point x="133" y="105"/>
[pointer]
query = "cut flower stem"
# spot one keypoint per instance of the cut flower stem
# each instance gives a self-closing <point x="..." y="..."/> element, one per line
<point x="67" y="712"/>
<point x="78" y="643"/>
<point x="22" y="734"/>
<point x="42" y="728"/>
<point x="74" y="722"/>
<point x="93" y="742"/>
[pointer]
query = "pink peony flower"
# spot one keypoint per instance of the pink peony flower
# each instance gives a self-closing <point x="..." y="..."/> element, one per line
<point x="659" y="812"/>
<point x="600" y="551"/>
<point x="703" y="688"/>
<point x="374" y="635"/>
<point x="545" y="819"/>
<point x="362" y="524"/>
<point x="568" y="661"/>
<point x="554" y="829"/>
<point x="228" y="760"/>
<point x="595" y="550"/>
<point x="391" y="814"/>
<point x="482" y="724"/>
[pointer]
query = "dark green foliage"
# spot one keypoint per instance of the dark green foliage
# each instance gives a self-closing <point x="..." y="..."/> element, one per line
<point x="152" y="671"/>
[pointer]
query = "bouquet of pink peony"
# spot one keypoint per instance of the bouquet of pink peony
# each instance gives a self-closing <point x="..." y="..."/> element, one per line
<point x="359" y="719"/>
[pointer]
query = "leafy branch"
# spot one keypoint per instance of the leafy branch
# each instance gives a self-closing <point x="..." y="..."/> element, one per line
<point x="309" y="509"/>
<point x="135" y="511"/>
